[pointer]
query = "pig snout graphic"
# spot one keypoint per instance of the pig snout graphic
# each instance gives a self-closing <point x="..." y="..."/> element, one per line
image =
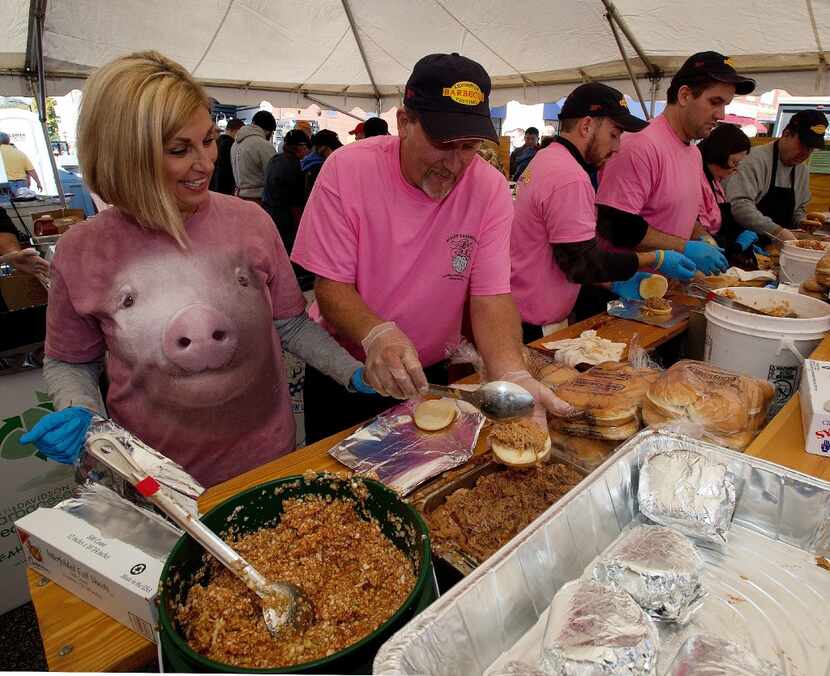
<point x="199" y="337"/>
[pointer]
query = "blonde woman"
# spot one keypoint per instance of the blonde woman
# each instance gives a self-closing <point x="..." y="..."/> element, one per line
<point x="188" y="294"/>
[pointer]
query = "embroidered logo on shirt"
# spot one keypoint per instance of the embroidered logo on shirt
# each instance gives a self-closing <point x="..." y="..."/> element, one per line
<point x="461" y="249"/>
<point x="465" y="93"/>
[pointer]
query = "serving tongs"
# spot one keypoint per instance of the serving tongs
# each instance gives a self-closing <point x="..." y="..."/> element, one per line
<point x="697" y="290"/>
<point x="284" y="605"/>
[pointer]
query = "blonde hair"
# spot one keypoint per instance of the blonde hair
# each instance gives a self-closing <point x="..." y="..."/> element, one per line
<point x="130" y="109"/>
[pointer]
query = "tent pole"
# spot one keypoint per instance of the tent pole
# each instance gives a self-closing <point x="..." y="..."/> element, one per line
<point x="627" y="64"/>
<point x="362" y="51"/>
<point x="635" y="44"/>
<point x="332" y="107"/>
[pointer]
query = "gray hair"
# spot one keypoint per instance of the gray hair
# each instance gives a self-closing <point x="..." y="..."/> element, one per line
<point x="4" y="138"/>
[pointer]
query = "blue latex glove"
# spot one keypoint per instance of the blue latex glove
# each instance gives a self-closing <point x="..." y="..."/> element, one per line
<point x="361" y="385"/>
<point x="746" y="239"/>
<point x="630" y="288"/>
<point x="675" y="265"/>
<point x="60" y="435"/>
<point x="758" y="249"/>
<point x="708" y="259"/>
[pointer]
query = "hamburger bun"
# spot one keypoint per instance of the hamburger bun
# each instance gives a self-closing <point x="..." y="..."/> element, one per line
<point x="519" y="443"/>
<point x="653" y="286"/>
<point x="812" y="294"/>
<point x="557" y="374"/>
<point x="721" y="281"/>
<point x="435" y="414"/>
<point x="812" y="285"/>
<point x="581" y="428"/>
<point x="656" y="306"/>
<point x="608" y="394"/>
<point x="519" y="458"/>
<point x="581" y="450"/>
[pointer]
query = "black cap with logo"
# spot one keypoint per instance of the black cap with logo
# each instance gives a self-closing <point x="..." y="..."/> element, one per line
<point x="810" y="126"/>
<point x="296" y="137"/>
<point x="451" y="95"/>
<point x="594" y="99"/>
<point x="705" y="66"/>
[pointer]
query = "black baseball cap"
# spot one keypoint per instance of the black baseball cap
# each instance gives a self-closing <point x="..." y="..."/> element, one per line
<point x="594" y="99"/>
<point x="810" y="125"/>
<point x="712" y="66"/>
<point x="326" y="138"/>
<point x="235" y="123"/>
<point x="451" y="95"/>
<point x="375" y="126"/>
<point x="295" y="137"/>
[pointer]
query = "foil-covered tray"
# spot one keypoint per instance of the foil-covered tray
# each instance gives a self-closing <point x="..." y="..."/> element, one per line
<point x="632" y="309"/>
<point x="767" y="591"/>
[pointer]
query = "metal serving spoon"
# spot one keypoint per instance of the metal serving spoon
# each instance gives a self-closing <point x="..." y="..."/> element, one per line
<point x="499" y="399"/>
<point x="283" y="604"/>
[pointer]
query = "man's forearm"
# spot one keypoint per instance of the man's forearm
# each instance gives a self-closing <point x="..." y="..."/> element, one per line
<point x="655" y="239"/>
<point x="497" y="331"/>
<point x="344" y="309"/>
<point x="8" y="243"/>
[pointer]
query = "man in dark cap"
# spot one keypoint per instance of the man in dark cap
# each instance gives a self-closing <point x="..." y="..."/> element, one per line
<point x="284" y="193"/>
<point x="375" y="126"/>
<point x="223" y="180"/>
<point x="405" y="232"/>
<point x="323" y="144"/>
<point x="771" y="189"/>
<point x="250" y="154"/>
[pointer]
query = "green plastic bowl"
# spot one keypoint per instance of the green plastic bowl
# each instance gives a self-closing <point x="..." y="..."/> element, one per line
<point x="263" y="508"/>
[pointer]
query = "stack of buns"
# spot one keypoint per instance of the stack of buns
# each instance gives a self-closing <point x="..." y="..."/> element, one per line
<point x="584" y="452"/>
<point x="818" y="285"/>
<point x="731" y="408"/>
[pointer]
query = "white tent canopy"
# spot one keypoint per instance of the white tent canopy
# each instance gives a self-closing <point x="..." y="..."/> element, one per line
<point x="342" y="51"/>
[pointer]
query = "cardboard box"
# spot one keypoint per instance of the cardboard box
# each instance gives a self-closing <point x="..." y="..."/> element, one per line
<point x="815" y="406"/>
<point x="117" y="578"/>
<point x="21" y="291"/>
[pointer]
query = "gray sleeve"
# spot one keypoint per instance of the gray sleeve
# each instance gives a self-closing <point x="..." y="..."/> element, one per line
<point x="74" y="384"/>
<point x="802" y="192"/>
<point x="745" y="189"/>
<point x="312" y="343"/>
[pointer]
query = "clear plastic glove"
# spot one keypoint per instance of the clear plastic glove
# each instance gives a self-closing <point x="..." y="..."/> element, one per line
<point x="630" y="288"/>
<point x="361" y="385"/>
<point x="546" y="400"/>
<point x="392" y="365"/>
<point x="811" y="225"/>
<point x="708" y="259"/>
<point x="29" y="262"/>
<point x="746" y="239"/>
<point x="675" y="265"/>
<point x="60" y="435"/>
<point x="783" y="233"/>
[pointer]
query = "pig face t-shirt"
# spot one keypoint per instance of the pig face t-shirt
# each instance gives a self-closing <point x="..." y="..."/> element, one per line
<point x="413" y="260"/>
<point x="193" y="358"/>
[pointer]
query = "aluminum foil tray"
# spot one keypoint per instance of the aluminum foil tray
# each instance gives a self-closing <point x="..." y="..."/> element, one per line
<point x="631" y="309"/>
<point x="766" y="590"/>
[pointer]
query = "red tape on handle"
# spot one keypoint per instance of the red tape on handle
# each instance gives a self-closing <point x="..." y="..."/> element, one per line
<point x="147" y="486"/>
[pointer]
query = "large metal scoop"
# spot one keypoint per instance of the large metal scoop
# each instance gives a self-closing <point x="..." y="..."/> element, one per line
<point x="499" y="400"/>
<point x="284" y="605"/>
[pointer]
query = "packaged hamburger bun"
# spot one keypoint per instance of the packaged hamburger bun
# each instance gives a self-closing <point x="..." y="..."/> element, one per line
<point x="583" y="452"/>
<point x="581" y="428"/>
<point x="557" y="374"/>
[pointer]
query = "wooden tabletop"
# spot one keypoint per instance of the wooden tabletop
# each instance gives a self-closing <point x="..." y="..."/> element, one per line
<point x="78" y="637"/>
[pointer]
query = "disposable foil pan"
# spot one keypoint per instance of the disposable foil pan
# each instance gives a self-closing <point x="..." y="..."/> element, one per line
<point x="766" y="592"/>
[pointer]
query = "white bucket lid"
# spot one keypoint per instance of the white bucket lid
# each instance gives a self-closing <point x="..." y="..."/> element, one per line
<point x="813" y="320"/>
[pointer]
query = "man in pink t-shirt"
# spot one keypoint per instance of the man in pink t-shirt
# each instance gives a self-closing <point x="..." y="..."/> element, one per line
<point x="406" y="235"/>
<point x="553" y="247"/>
<point x="649" y="195"/>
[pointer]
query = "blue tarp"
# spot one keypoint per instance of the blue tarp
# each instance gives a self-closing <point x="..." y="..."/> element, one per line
<point x="551" y="111"/>
<point x="499" y="112"/>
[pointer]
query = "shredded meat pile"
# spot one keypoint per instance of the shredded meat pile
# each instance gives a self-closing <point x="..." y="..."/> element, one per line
<point x="521" y="435"/>
<point x="656" y="305"/>
<point x="813" y="244"/>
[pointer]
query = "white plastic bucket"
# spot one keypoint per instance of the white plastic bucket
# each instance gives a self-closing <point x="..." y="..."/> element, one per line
<point x="771" y="348"/>
<point x="799" y="264"/>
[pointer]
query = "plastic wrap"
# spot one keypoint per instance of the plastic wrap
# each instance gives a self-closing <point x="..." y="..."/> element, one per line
<point x="593" y="629"/>
<point x="705" y="655"/>
<point x="660" y="568"/>
<point x="589" y="348"/>
<point x="584" y="452"/>
<point x="394" y="451"/>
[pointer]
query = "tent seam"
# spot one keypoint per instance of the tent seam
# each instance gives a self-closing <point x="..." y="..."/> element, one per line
<point x="213" y="39"/>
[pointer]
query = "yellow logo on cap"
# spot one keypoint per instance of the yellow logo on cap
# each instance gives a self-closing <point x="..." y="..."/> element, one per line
<point x="465" y="93"/>
<point x="818" y="129"/>
<point x="728" y="61"/>
<point x="623" y="103"/>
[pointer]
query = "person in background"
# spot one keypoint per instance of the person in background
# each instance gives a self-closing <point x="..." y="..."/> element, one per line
<point x="19" y="168"/>
<point x="520" y="158"/>
<point x="358" y="131"/>
<point x="27" y="261"/>
<point x="375" y="126"/>
<point x="284" y="194"/>
<point x="406" y="234"/>
<point x="305" y="127"/>
<point x="771" y="189"/>
<point x="722" y="152"/>
<point x="223" y="180"/>
<point x="545" y="142"/>
<point x="251" y="151"/>
<point x="76" y="192"/>
<point x="323" y="143"/>
<point x="553" y="246"/>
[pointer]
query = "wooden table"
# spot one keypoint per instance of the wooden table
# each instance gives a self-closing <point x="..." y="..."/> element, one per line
<point x="78" y="637"/>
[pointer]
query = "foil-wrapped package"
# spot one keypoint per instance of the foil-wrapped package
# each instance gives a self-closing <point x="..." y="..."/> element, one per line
<point x="593" y="629"/>
<point x="394" y="451"/>
<point x="517" y="668"/>
<point x="687" y="491"/>
<point x="704" y="655"/>
<point x="659" y="567"/>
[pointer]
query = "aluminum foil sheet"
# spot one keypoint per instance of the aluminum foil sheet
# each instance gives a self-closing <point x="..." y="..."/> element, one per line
<point x="688" y="491"/>
<point x="394" y="451"/>
<point x="594" y="629"/>
<point x="659" y="567"/>
<point x="704" y="655"/>
<point x="517" y="668"/>
<point x="765" y="589"/>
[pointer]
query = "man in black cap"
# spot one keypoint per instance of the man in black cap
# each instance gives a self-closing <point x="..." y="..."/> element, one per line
<point x="520" y="158"/>
<point x="406" y="232"/>
<point x="649" y="194"/>
<point x="375" y="126"/>
<point x="323" y="144"/>
<point x="553" y="247"/>
<point x="770" y="191"/>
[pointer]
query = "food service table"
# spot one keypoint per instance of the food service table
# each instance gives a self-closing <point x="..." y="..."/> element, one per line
<point x="78" y="637"/>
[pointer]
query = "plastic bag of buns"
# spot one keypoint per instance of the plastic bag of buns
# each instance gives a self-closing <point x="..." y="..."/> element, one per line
<point x="729" y="408"/>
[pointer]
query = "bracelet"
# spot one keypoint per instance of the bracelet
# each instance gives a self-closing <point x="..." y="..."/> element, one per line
<point x="661" y="257"/>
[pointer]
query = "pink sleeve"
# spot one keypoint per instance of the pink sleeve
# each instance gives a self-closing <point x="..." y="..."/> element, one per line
<point x="70" y="336"/>
<point x="577" y="222"/>
<point x="626" y="182"/>
<point x="326" y="241"/>
<point x="490" y="274"/>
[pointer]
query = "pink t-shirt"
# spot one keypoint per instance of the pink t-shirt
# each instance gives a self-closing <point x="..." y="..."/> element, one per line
<point x="413" y="260"/>
<point x="193" y="358"/>
<point x="555" y="205"/>
<point x="655" y="175"/>
<point x="710" y="201"/>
